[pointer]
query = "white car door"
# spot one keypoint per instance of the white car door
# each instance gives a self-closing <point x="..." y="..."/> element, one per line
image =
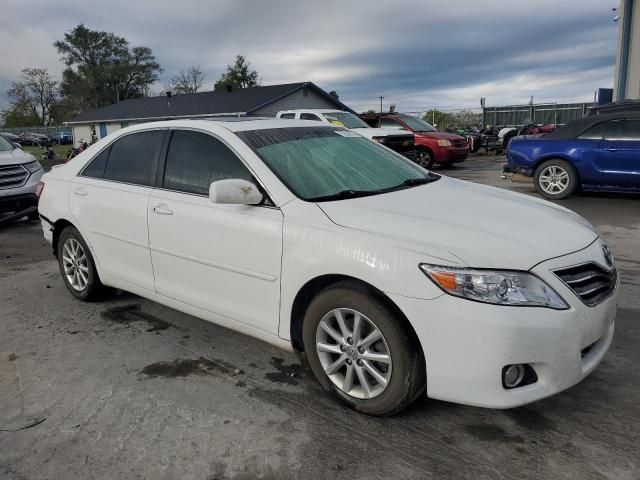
<point x="225" y="259"/>
<point x="109" y="200"/>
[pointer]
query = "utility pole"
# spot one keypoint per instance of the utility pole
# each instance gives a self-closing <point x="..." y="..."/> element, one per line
<point x="381" y="97"/>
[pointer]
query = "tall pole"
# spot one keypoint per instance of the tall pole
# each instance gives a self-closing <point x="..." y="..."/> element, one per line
<point x="381" y="97"/>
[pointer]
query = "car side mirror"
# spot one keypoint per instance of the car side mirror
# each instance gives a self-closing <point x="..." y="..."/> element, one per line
<point x="234" y="191"/>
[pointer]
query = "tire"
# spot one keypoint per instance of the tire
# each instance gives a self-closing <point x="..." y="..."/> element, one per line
<point x="84" y="283"/>
<point x="555" y="179"/>
<point x="424" y="158"/>
<point x="403" y="370"/>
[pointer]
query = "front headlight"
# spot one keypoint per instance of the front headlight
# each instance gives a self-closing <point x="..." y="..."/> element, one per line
<point x="444" y="143"/>
<point x="33" y="166"/>
<point x="378" y="139"/>
<point x="496" y="287"/>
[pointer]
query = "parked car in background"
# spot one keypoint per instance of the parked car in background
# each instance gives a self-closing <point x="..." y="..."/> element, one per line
<point x="598" y="152"/>
<point x="432" y="146"/>
<point x="507" y="133"/>
<point x="64" y="138"/>
<point x="314" y="238"/>
<point x="33" y="139"/>
<point x="403" y="143"/>
<point x="20" y="173"/>
<point x="15" y="139"/>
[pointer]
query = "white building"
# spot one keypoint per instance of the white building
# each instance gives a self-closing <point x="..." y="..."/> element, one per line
<point x="256" y="101"/>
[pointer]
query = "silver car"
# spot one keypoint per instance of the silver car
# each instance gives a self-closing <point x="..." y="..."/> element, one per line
<point x="20" y="173"/>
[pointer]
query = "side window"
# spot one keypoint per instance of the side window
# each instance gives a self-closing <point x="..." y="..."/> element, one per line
<point x="288" y="116"/>
<point x="195" y="160"/>
<point x="390" y="123"/>
<point x="132" y="157"/>
<point x="309" y="116"/>
<point x="593" y="133"/>
<point x="617" y="130"/>
<point x="95" y="169"/>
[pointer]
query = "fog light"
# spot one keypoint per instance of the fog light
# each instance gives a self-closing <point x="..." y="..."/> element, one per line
<point x="512" y="375"/>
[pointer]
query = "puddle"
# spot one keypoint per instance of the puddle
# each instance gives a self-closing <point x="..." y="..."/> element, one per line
<point x="127" y="314"/>
<point x="183" y="367"/>
<point x="286" y="374"/>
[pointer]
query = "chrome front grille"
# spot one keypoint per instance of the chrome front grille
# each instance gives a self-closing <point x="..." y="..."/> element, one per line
<point x="589" y="281"/>
<point x="13" y="176"/>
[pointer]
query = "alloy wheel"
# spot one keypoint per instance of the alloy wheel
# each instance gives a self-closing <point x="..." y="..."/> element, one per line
<point x="353" y="353"/>
<point x="75" y="264"/>
<point x="554" y="179"/>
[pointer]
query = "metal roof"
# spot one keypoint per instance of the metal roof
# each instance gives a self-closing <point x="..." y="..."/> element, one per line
<point x="240" y="101"/>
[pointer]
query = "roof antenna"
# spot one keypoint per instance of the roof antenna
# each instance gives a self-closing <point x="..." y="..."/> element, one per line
<point x="168" y="94"/>
<point x="229" y="87"/>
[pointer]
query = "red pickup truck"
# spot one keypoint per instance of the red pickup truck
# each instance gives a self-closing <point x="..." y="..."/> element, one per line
<point x="432" y="146"/>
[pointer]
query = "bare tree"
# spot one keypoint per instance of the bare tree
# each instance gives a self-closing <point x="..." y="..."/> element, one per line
<point x="34" y="94"/>
<point x="189" y="81"/>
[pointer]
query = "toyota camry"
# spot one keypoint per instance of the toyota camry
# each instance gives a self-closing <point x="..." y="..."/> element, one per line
<point x="316" y="239"/>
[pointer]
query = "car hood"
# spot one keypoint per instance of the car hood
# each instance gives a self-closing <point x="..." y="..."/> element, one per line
<point x="485" y="227"/>
<point x="381" y="132"/>
<point x="15" y="156"/>
<point x="439" y="135"/>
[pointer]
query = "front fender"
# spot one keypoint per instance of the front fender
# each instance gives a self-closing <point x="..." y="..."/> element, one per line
<point x="313" y="246"/>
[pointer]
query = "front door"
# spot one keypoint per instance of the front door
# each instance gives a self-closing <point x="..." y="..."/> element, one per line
<point x="225" y="259"/>
<point x="619" y="156"/>
<point x="110" y="197"/>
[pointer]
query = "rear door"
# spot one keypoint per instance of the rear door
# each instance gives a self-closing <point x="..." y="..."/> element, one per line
<point x="225" y="259"/>
<point x="619" y="156"/>
<point x="109" y="201"/>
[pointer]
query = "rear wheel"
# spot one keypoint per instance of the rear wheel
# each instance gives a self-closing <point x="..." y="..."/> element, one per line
<point x="555" y="179"/>
<point x="77" y="266"/>
<point x="359" y="350"/>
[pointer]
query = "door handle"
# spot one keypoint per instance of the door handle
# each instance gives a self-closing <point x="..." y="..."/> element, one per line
<point x="162" y="209"/>
<point x="80" y="191"/>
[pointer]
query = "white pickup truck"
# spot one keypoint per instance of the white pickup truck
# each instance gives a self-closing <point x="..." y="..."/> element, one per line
<point x="403" y="143"/>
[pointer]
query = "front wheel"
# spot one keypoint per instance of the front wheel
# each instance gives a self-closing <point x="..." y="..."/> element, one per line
<point x="555" y="179"/>
<point x="360" y="351"/>
<point x="425" y="159"/>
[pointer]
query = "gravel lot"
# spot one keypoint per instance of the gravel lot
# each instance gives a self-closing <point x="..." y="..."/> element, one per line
<point x="129" y="389"/>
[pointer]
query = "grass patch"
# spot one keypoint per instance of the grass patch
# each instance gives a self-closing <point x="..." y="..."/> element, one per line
<point x="61" y="150"/>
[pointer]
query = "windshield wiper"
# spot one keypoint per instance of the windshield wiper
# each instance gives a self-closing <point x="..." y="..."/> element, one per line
<point x="344" y="194"/>
<point x="410" y="182"/>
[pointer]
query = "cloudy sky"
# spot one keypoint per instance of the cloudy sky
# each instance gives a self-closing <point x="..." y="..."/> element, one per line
<point x="416" y="53"/>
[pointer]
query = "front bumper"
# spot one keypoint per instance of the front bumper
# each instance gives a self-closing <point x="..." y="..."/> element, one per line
<point x="467" y="344"/>
<point x="452" y="154"/>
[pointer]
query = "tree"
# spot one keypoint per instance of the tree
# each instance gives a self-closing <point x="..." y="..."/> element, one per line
<point x="103" y="69"/>
<point x="238" y="75"/>
<point x="189" y="81"/>
<point x="32" y="98"/>
<point x="369" y="112"/>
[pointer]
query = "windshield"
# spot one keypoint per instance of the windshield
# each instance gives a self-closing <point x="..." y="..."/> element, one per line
<point x="345" y="119"/>
<point x="5" y="145"/>
<point x="323" y="163"/>
<point x="417" y="124"/>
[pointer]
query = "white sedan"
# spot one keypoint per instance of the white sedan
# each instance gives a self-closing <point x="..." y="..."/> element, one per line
<point x="392" y="280"/>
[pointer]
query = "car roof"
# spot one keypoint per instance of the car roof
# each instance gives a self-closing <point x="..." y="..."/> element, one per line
<point x="574" y="128"/>
<point x="234" y="124"/>
<point x="314" y="110"/>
